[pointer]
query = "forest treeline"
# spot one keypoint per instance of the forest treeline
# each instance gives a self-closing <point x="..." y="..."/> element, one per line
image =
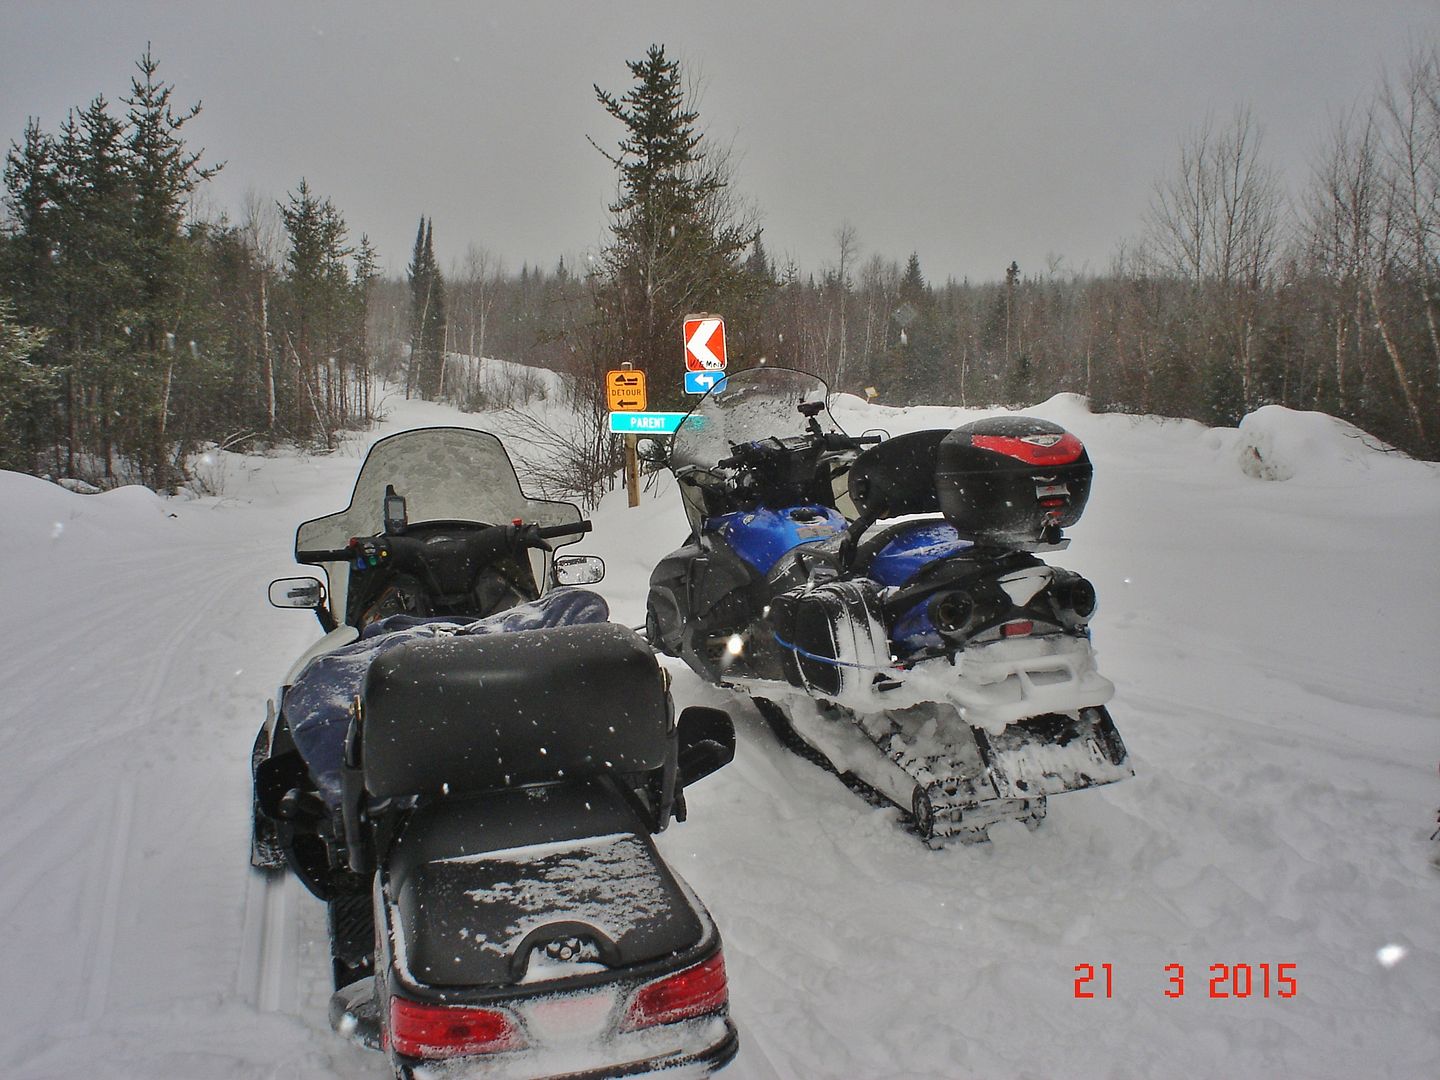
<point x="133" y="333"/>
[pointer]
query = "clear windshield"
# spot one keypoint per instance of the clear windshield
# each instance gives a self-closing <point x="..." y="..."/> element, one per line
<point x="758" y="403"/>
<point x="444" y="474"/>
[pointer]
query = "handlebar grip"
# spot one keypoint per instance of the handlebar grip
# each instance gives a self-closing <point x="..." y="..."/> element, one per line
<point x="577" y="528"/>
<point x="311" y="558"/>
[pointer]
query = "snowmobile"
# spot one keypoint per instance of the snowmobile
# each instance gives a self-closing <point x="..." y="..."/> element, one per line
<point x="884" y="603"/>
<point x="468" y="769"/>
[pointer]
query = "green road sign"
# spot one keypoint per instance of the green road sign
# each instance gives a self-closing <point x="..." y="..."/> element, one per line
<point x="645" y="423"/>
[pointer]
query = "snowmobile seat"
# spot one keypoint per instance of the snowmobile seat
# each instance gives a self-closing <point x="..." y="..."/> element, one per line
<point x="897" y="477"/>
<point x="478" y="884"/>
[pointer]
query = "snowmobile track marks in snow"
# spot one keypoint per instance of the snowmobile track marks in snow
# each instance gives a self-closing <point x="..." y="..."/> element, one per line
<point x="269" y="948"/>
<point x="115" y="856"/>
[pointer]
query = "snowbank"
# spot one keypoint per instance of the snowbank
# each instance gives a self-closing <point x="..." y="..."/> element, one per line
<point x="1276" y="443"/>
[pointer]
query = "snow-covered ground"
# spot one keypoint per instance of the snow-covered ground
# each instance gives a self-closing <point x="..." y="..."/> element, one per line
<point x="1269" y="602"/>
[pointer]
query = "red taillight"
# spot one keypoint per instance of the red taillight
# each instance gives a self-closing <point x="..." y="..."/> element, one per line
<point x="422" y="1030"/>
<point x="1018" y="628"/>
<point x="693" y="992"/>
<point x="1041" y="451"/>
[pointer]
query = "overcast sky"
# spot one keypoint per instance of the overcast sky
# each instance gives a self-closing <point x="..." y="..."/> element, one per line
<point x="972" y="133"/>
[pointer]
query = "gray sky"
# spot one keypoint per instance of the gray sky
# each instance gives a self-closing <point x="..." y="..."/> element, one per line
<point x="973" y="133"/>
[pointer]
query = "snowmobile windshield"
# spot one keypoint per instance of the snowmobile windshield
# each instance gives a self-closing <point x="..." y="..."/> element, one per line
<point x="443" y="474"/>
<point x="759" y="403"/>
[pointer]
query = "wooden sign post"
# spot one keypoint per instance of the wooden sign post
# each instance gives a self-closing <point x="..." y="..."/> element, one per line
<point x="625" y="392"/>
<point x="632" y="470"/>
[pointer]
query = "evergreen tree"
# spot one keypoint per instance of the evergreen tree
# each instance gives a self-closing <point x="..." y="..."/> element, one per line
<point x="161" y="173"/>
<point x="912" y="286"/>
<point x="758" y="264"/>
<point x="321" y="332"/>
<point x="24" y="390"/>
<point x="916" y="358"/>
<point x="427" y="317"/>
<point x="678" y="239"/>
<point x="30" y="203"/>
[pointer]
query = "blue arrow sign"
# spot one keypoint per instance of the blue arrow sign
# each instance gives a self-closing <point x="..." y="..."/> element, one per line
<point x="702" y="382"/>
<point x="645" y="423"/>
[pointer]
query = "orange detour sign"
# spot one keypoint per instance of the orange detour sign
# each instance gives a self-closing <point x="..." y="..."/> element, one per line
<point x="704" y="343"/>
<point x="625" y="391"/>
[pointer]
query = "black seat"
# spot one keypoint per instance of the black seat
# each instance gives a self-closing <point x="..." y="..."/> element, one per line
<point x="897" y="477"/>
<point x="477" y="884"/>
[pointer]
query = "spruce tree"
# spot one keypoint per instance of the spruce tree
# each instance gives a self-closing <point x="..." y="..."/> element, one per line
<point x="162" y="173"/>
<point x="319" y="314"/>
<point x="24" y="391"/>
<point x="678" y="240"/>
<point x="427" y="317"/>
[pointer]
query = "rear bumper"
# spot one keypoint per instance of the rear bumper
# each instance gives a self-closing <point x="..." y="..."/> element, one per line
<point x="709" y="1054"/>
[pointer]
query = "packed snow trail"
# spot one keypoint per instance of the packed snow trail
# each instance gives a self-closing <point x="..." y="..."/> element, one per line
<point x="1274" y="647"/>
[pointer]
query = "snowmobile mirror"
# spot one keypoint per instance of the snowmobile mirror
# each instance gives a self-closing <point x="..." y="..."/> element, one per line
<point x="579" y="569"/>
<point x="707" y="742"/>
<point x="652" y="452"/>
<point x="297" y="592"/>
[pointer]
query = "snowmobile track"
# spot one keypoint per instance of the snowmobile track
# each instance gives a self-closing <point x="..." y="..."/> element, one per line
<point x="780" y="724"/>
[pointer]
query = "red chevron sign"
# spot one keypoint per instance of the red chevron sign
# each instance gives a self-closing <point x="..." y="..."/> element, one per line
<point x="705" y="343"/>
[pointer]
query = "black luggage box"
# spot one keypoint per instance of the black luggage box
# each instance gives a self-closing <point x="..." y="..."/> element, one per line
<point x="1012" y="481"/>
<point x="470" y="714"/>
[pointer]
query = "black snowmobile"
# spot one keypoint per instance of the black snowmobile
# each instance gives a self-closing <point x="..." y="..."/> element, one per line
<point x="468" y="769"/>
<point x="884" y="603"/>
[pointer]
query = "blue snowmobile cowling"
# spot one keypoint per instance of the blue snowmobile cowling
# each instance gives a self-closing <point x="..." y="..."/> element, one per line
<point x="762" y="535"/>
<point x="915" y="547"/>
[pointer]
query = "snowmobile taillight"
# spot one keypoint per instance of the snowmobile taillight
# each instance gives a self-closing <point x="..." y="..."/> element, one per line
<point x="1018" y="628"/>
<point x="693" y="992"/>
<point x="422" y="1030"/>
<point x="1040" y="449"/>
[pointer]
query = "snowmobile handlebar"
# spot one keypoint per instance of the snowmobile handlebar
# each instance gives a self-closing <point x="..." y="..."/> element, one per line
<point x="576" y="528"/>
<point x="514" y="536"/>
<point x="760" y="450"/>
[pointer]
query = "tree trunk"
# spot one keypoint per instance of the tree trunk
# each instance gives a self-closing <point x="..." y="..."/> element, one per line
<point x="1401" y="375"/>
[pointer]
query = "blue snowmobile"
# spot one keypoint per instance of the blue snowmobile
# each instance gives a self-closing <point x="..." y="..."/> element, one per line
<point x="883" y="600"/>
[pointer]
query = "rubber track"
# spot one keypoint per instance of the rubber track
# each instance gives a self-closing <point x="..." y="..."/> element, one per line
<point x="780" y="724"/>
